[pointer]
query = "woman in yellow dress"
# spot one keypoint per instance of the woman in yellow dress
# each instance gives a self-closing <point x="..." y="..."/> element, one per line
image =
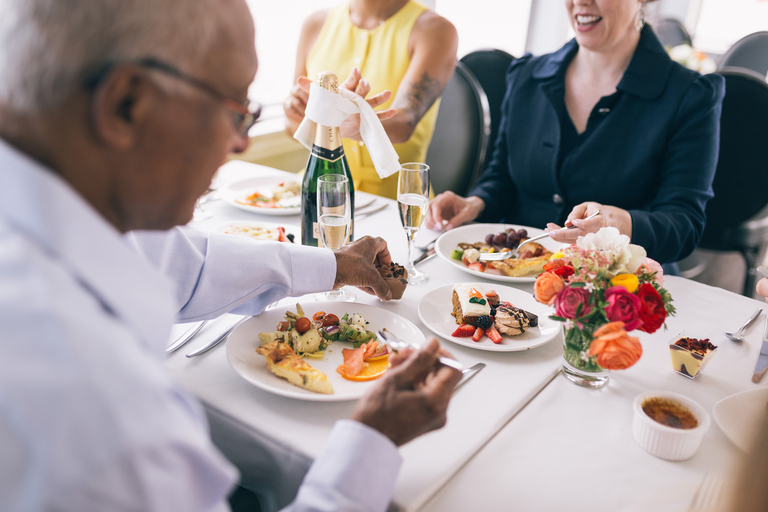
<point x="397" y="45"/>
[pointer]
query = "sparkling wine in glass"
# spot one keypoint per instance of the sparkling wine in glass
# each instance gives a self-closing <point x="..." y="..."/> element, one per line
<point x="412" y="202"/>
<point x="334" y="213"/>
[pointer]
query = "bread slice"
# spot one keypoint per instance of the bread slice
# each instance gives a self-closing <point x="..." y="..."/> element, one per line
<point x="283" y="362"/>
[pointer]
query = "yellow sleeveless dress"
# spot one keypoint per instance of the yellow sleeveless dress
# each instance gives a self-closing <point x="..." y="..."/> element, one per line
<point x="382" y="56"/>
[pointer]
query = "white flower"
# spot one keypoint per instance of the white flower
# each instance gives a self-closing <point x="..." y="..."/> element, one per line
<point x="681" y="53"/>
<point x="624" y="257"/>
<point x="584" y="356"/>
<point x="568" y="324"/>
<point x="590" y="286"/>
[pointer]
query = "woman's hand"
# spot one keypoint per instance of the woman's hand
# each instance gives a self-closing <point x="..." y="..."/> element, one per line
<point x="452" y="210"/>
<point x="762" y="288"/>
<point x="609" y="216"/>
<point x="296" y="104"/>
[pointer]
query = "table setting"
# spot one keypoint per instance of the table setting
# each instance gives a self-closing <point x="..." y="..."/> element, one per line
<point x="518" y="427"/>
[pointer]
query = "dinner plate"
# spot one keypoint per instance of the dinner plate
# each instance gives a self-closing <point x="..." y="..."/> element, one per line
<point x="472" y="233"/>
<point x="436" y="306"/>
<point x="740" y="416"/>
<point x="250" y="224"/>
<point x="242" y="356"/>
<point x="239" y="190"/>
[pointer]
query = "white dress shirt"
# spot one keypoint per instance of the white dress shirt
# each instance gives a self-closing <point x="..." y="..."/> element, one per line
<point x="89" y="418"/>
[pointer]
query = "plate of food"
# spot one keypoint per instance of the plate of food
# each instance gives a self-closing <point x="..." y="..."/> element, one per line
<point x="273" y="195"/>
<point x="262" y="231"/>
<point x="741" y="416"/>
<point x="463" y="245"/>
<point x="274" y="352"/>
<point x="510" y="320"/>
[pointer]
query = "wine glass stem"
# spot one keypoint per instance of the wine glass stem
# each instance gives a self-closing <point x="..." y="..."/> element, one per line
<point x="411" y="233"/>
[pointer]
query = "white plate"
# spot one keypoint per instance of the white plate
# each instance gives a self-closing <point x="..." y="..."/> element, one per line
<point x="473" y="233"/>
<point x="436" y="306"/>
<point x="293" y="230"/>
<point x="740" y="416"/>
<point x="242" y="356"/>
<point x="242" y="189"/>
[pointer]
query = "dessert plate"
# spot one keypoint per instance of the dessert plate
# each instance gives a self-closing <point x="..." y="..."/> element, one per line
<point x="242" y="356"/>
<point x="238" y="191"/>
<point x="435" y="311"/>
<point x="740" y="416"/>
<point x="473" y="233"/>
<point x="259" y="230"/>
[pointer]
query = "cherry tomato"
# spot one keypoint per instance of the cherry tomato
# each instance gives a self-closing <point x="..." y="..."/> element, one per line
<point x="330" y="319"/>
<point x="318" y="316"/>
<point x="283" y="326"/>
<point x="303" y="325"/>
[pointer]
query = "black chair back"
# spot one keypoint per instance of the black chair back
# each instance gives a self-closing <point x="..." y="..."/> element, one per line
<point x="750" y="52"/>
<point x="490" y="68"/>
<point x="737" y="217"/>
<point x="671" y="33"/>
<point x="460" y="140"/>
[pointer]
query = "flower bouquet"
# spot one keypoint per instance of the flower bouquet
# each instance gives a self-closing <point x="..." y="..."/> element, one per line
<point x="602" y="288"/>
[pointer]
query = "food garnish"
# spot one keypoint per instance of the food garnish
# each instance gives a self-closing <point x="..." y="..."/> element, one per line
<point x="363" y="363"/>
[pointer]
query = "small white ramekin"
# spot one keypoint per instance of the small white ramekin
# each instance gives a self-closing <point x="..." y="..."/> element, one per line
<point x="665" y="442"/>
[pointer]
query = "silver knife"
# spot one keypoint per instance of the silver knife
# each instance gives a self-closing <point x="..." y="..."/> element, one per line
<point x="424" y="257"/>
<point x="762" y="359"/>
<point x="219" y="339"/>
<point x="184" y="338"/>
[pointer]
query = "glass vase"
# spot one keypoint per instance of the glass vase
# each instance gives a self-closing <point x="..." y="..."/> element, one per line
<point x="578" y="366"/>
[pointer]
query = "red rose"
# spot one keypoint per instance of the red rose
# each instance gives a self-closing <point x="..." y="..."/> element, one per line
<point x="568" y="300"/>
<point x="559" y="268"/>
<point x="623" y="307"/>
<point x="652" y="312"/>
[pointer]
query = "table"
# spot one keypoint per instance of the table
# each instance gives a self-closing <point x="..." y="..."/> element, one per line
<point x="518" y="435"/>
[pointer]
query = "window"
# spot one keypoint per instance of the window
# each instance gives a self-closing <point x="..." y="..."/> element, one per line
<point x="720" y="23"/>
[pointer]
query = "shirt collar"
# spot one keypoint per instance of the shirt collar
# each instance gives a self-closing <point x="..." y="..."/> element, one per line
<point x="646" y="75"/>
<point x="40" y="204"/>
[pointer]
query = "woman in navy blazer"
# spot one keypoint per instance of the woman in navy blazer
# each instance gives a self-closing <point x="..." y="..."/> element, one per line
<point x="607" y="122"/>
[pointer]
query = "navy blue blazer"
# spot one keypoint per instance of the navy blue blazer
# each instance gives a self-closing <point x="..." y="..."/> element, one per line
<point x="650" y="148"/>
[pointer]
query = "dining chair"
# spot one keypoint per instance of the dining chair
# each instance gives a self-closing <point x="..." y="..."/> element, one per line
<point x="671" y="33"/>
<point x="490" y="68"/>
<point x="737" y="217"/>
<point x="749" y="52"/>
<point x="459" y="142"/>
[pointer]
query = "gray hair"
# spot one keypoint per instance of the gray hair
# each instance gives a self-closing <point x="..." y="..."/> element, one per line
<point x="48" y="46"/>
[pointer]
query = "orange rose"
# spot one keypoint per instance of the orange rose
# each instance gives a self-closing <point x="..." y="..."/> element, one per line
<point x="614" y="348"/>
<point x="546" y="287"/>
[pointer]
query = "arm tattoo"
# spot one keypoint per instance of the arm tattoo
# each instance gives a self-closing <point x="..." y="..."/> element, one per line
<point x="419" y="97"/>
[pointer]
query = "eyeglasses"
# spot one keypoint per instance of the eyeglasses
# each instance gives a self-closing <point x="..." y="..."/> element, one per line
<point x="246" y="114"/>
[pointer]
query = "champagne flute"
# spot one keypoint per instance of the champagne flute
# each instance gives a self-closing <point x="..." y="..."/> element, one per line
<point x="334" y="212"/>
<point x="412" y="202"/>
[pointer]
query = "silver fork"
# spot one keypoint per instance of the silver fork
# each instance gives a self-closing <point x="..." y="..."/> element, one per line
<point x="707" y="497"/>
<point x="397" y="344"/>
<point x="503" y="255"/>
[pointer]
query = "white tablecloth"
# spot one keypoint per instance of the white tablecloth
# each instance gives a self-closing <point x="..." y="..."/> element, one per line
<point x="568" y="447"/>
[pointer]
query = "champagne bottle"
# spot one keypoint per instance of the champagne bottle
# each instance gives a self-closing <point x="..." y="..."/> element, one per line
<point x="326" y="157"/>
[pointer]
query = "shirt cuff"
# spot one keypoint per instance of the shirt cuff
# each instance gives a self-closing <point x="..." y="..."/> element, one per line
<point x="355" y="456"/>
<point x="312" y="270"/>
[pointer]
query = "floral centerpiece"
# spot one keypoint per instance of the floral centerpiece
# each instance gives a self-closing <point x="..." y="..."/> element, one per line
<point x="692" y="59"/>
<point x="602" y="288"/>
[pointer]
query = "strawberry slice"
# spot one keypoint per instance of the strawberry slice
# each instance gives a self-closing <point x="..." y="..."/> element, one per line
<point x="478" y="334"/>
<point x="492" y="333"/>
<point x="477" y="267"/>
<point x="464" y="331"/>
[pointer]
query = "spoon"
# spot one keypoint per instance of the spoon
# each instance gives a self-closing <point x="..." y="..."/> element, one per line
<point x="739" y="335"/>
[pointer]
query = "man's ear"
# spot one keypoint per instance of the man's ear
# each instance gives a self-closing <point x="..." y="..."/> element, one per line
<point x="122" y="104"/>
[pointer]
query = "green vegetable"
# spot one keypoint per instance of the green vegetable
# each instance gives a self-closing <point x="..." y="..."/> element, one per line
<point x="456" y="254"/>
<point x="475" y="300"/>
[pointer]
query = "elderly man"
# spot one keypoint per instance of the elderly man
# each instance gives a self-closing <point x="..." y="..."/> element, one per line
<point x="114" y="115"/>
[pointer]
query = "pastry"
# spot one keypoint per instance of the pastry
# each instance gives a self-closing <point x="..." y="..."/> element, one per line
<point x="511" y="321"/>
<point x="396" y="276"/>
<point x="283" y="362"/>
<point x="469" y="304"/>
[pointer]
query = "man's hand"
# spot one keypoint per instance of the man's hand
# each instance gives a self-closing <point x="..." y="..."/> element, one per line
<point x="412" y="397"/>
<point x="452" y="211"/>
<point x="356" y="266"/>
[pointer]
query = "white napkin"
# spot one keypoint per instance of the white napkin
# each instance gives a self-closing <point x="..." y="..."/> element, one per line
<point x="330" y="109"/>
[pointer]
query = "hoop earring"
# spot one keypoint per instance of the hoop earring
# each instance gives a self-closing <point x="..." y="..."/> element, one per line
<point x="640" y="18"/>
